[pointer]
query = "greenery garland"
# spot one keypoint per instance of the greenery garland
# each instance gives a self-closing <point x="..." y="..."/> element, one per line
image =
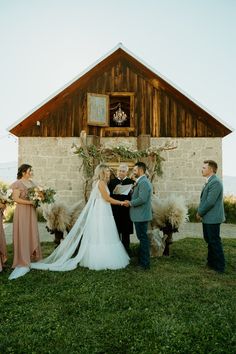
<point x="91" y="153"/>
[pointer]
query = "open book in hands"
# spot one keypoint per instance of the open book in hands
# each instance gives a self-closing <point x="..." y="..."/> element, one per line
<point x="122" y="189"/>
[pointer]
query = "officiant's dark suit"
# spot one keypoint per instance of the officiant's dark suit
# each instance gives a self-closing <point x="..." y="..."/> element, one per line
<point x="121" y="214"/>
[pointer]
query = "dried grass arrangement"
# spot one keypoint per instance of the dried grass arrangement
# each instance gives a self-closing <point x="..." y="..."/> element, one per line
<point x="60" y="218"/>
<point x="168" y="215"/>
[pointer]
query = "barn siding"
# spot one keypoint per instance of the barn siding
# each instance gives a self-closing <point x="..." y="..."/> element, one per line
<point x="156" y="111"/>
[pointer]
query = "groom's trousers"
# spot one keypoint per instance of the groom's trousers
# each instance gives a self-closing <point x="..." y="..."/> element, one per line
<point x="144" y="252"/>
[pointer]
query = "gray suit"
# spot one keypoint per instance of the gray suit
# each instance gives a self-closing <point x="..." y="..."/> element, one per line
<point x="211" y="206"/>
<point x="141" y="209"/>
<point x="211" y="209"/>
<point x="141" y="214"/>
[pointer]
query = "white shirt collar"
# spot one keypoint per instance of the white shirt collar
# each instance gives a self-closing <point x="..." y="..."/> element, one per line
<point x="207" y="179"/>
<point x="122" y="179"/>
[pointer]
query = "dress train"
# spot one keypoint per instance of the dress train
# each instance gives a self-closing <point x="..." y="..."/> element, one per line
<point x="96" y="238"/>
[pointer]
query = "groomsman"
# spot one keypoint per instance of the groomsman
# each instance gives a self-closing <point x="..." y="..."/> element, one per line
<point x="141" y="211"/>
<point x="121" y="214"/>
<point x="211" y="213"/>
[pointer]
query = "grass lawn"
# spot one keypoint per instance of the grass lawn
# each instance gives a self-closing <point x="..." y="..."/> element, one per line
<point x="176" y="307"/>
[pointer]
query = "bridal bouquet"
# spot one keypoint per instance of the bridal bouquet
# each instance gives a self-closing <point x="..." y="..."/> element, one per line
<point x="41" y="195"/>
<point x="6" y="196"/>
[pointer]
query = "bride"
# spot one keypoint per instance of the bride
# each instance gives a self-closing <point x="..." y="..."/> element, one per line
<point x="93" y="242"/>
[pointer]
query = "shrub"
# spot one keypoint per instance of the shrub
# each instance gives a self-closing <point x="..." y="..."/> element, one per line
<point x="192" y="211"/>
<point x="9" y="213"/>
<point x="229" y="206"/>
<point x="3" y="185"/>
<point x="230" y="209"/>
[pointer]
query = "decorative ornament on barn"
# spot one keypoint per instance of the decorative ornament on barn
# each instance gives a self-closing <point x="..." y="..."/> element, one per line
<point x="119" y="116"/>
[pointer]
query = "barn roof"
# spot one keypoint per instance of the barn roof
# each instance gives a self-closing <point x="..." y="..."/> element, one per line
<point x="119" y="49"/>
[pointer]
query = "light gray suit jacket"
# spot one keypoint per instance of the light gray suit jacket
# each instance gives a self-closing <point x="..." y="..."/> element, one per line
<point x="211" y="207"/>
<point x="141" y="209"/>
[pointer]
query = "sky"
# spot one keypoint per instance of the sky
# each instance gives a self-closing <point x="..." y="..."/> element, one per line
<point x="44" y="44"/>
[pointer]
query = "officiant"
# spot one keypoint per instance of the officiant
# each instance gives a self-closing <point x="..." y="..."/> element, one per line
<point x="120" y="188"/>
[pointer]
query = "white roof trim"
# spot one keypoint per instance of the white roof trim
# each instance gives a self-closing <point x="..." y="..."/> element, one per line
<point x="119" y="45"/>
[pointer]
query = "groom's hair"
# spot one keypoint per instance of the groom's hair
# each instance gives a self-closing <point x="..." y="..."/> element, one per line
<point x="211" y="164"/>
<point x="141" y="165"/>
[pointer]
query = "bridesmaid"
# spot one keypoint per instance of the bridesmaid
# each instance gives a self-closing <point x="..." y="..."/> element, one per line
<point x="3" y="247"/>
<point x="26" y="241"/>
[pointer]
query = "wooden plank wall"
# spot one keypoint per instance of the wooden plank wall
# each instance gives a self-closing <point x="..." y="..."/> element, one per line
<point x="156" y="111"/>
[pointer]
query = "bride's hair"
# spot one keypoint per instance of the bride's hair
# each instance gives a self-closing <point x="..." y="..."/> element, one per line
<point x="100" y="172"/>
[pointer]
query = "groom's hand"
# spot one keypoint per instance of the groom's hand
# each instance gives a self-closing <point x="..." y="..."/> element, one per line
<point x="126" y="203"/>
<point x="198" y="217"/>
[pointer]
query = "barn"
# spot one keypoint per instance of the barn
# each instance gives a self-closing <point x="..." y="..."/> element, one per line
<point x="120" y="100"/>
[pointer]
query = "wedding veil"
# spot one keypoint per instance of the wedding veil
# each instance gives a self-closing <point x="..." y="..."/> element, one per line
<point x="63" y="258"/>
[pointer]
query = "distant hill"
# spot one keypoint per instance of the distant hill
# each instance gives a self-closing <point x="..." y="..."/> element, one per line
<point x="8" y="172"/>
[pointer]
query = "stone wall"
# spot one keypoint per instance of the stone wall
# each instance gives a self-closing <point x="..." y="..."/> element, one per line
<point x="54" y="165"/>
<point x="57" y="167"/>
<point x="182" y="167"/>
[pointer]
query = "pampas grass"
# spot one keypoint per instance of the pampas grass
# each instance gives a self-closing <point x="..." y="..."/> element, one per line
<point x="170" y="212"/>
<point x="60" y="218"/>
<point x="168" y="215"/>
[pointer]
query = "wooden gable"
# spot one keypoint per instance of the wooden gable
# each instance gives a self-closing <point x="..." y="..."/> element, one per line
<point x="158" y="108"/>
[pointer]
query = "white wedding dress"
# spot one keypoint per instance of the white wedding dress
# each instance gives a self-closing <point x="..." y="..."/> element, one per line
<point x="96" y="235"/>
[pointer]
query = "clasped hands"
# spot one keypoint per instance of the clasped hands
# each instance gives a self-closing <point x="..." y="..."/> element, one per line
<point x="125" y="203"/>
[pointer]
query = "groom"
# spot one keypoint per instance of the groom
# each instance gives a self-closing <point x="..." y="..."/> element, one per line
<point x="141" y="211"/>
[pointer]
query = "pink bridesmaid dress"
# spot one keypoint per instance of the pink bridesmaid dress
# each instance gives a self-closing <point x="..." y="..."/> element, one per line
<point x="3" y="247"/>
<point x="26" y="241"/>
